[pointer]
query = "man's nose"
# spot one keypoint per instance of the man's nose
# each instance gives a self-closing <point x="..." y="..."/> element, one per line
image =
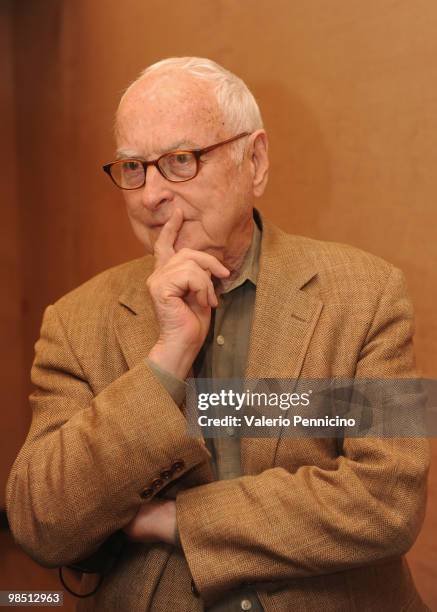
<point x="157" y="190"/>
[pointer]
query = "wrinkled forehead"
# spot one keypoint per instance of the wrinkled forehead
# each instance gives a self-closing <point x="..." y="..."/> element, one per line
<point x="169" y="103"/>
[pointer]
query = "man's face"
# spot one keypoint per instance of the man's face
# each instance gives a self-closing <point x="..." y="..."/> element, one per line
<point x="171" y="111"/>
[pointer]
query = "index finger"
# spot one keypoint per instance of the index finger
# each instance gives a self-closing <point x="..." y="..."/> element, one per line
<point x="164" y="246"/>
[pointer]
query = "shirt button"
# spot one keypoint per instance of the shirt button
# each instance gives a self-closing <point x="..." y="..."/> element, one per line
<point x="220" y="340"/>
<point x="246" y="604"/>
<point x="230" y="431"/>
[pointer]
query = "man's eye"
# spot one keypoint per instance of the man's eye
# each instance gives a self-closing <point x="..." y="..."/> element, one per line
<point x="182" y="158"/>
<point x="131" y="166"/>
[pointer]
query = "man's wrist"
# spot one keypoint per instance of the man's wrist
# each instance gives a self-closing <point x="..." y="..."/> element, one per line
<point x="175" y="360"/>
<point x="175" y="387"/>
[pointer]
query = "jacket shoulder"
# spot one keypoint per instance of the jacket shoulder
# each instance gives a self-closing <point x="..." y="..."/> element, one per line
<point x="102" y="291"/>
<point x="335" y="272"/>
<point x="328" y="255"/>
<point x="334" y="261"/>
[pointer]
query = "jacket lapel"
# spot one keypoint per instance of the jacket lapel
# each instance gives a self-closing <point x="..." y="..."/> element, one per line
<point x="285" y="317"/>
<point x="136" y="326"/>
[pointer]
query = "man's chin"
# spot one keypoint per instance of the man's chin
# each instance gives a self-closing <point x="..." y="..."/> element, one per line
<point x="183" y="242"/>
<point x="196" y="246"/>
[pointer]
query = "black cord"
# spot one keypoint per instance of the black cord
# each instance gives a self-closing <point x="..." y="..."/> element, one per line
<point x="101" y="562"/>
<point x="61" y="578"/>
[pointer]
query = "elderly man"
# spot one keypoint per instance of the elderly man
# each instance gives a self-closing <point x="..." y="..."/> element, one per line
<point x="258" y="524"/>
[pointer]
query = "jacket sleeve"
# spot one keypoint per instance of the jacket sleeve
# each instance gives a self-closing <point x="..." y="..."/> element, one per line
<point x="89" y="461"/>
<point x="277" y="526"/>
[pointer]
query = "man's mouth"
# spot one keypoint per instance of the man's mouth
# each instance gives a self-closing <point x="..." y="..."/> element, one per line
<point x="154" y="225"/>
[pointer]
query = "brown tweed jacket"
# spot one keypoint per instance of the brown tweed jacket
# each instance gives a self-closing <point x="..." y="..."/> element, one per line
<point x="308" y="527"/>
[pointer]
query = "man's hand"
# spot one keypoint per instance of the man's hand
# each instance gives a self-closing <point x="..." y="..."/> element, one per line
<point x="155" y="521"/>
<point x="183" y="295"/>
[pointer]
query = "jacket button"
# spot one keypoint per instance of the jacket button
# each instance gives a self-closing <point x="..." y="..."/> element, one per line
<point x="157" y="483"/>
<point x="193" y="589"/>
<point x="177" y="466"/>
<point x="147" y="493"/>
<point x="165" y="474"/>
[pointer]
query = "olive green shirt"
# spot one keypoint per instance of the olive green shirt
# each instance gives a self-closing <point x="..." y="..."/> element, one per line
<point x="224" y="355"/>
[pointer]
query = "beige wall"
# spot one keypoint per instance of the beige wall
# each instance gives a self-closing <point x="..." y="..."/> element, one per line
<point x="348" y="90"/>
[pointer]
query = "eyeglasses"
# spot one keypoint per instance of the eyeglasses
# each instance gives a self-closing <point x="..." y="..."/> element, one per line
<point x="176" y="166"/>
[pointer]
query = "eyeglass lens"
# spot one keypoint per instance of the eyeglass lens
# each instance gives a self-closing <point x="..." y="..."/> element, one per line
<point x="129" y="174"/>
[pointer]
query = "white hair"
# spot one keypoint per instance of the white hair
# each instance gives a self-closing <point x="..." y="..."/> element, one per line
<point x="235" y="101"/>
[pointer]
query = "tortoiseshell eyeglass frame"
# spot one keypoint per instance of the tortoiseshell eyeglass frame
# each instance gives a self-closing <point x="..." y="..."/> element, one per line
<point x="155" y="162"/>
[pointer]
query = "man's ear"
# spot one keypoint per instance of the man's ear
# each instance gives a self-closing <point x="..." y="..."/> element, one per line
<point x="260" y="161"/>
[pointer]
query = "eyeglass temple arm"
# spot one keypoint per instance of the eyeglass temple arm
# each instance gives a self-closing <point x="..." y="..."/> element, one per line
<point x="197" y="152"/>
<point x="219" y="144"/>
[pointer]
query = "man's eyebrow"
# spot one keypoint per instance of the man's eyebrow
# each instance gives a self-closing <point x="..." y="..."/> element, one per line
<point x="125" y="154"/>
<point x="181" y="144"/>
